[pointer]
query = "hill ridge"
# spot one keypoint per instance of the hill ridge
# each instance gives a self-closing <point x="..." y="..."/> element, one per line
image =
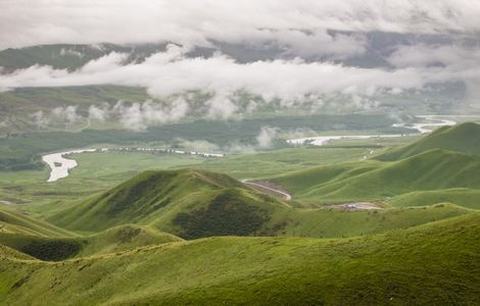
<point x="463" y="138"/>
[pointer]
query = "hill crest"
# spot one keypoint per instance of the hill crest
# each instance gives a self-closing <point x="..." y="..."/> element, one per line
<point x="463" y="138"/>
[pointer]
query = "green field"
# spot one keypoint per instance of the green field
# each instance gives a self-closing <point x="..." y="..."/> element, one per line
<point x="195" y="185"/>
<point x="100" y="171"/>
<point x="436" y="263"/>
<point x="131" y="228"/>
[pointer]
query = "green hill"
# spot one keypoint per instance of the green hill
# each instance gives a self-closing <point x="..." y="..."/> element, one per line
<point x="370" y="180"/>
<point x="116" y="239"/>
<point x="14" y="222"/>
<point x="464" y="138"/>
<point x="193" y="204"/>
<point x="187" y="203"/>
<point x="469" y="198"/>
<point x="337" y="223"/>
<point x="122" y="238"/>
<point x="434" y="264"/>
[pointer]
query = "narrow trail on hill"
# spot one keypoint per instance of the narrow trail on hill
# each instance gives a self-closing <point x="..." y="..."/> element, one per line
<point x="264" y="186"/>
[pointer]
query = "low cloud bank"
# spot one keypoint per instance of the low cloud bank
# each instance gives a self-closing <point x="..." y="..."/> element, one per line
<point x="190" y="22"/>
<point x="170" y="72"/>
<point x="171" y="75"/>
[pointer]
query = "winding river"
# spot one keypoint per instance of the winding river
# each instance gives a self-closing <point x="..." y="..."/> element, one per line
<point x="422" y="128"/>
<point x="60" y="166"/>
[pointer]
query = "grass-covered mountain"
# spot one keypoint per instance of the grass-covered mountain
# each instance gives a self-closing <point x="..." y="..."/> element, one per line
<point x="445" y="160"/>
<point x="188" y="203"/>
<point x="123" y="246"/>
<point x="436" y="263"/>
<point x="193" y="204"/>
<point x="372" y="180"/>
<point x="464" y="138"/>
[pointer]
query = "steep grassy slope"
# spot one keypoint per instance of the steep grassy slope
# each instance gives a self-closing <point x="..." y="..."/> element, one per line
<point x="435" y="264"/>
<point x="188" y="203"/>
<point x="463" y="138"/>
<point x="431" y="170"/>
<point x="17" y="223"/>
<point x="116" y="239"/>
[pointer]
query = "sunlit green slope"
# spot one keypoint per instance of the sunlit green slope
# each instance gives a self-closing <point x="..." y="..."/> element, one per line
<point x="189" y="203"/>
<point x="431" y="170"/>
<point x="434" y="264"/>
<point x="464" y="138"/>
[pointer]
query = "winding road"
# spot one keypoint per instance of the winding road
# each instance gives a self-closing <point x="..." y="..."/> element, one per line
<point x="283" y="194"/>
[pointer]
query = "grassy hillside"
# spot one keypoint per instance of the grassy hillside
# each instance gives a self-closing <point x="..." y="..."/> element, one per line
<point x="14" y="222"/>
<point x="465" y="197"/>
<point x="463" y="138"/>
<point x="121" y="238"/>
<point x="434" y="264"/>
<point x="337" y="223"/>
<point x="116" y="239"/>
<point x="193" y="204"/>
<point x="188" y="203"/>
<point x="431" y="170"/>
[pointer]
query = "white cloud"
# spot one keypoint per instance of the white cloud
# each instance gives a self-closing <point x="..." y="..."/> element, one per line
<point x="164" y="75"/>
<point x="138" y="116"/>
<point x="98" y="113"/>
<point x="266" y="136"/>
<point x="67" y="114"/>
<point x="25" y="22"/>
<point x="289" y="82"/>
<point x="39" y="119"/>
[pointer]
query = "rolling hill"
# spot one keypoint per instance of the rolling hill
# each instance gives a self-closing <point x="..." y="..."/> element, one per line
<point x="113" y="240"/>
<point x="432" y="170"/>
<point x="193" y="204"/>
<point x="436" y="263"/>
<point x="465" y="197"/>
<point x="464" y="138"/>
<point x="440" y="167"/>
<point x="14" y="222"/>
<point x="188" y="203"/>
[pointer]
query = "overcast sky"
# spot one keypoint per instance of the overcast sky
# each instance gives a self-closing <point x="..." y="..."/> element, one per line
<point x="301" y="25"/>
<point x="32" y="22"/>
